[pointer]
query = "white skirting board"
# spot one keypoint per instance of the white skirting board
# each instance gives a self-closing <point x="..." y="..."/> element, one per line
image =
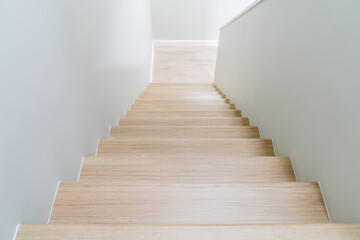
<point x="185" y="43"/>
<point x="52" y="206"/>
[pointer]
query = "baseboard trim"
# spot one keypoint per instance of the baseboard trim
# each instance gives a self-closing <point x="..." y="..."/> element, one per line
<point x="52" y="206"/>
<point x="185" y="43"/>
<point x="81" y="166"/>
<point x="152" y="62"/>
<point x="325" y="203"/>
<point x="16" y="231"/>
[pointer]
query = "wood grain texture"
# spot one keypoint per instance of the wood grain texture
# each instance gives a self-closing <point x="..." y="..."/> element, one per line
<point x="184" y="113"/>
<point x="181" y="106"/>
<point x="184" y="96"/>
<point x="113" y="203"/>
<point x="187" y="89"/>
<point x="188" y="169"/>
<point x="181" y="84"/>
<point x="183" y="132"/>
<point x="184" y="64"/>
<point x="153" y="94"/>
<point x="185" y="121"/>
<point x="159" y="232"/>
<point x="179" y="101"/>
<point x="184" y="164"/>
<point x="180" y="91"/>
<point x="186" y="147"/>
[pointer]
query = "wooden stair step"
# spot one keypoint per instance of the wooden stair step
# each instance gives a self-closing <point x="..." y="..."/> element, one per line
<point x="108" y="202"/>
<point x="188" y="169"/>
<point x="184" y="113"/>
<point x="212" y="232"/>
<point x="155" y="94"/>
<point x="184" y="132"/>
<point x="179" y="101"/>
<point x="169" y="84"/>
<point x="185" y="121"/>
<point x="186" y="147"/>
<point x="180" y="89"/>
<point x="181" y="96"/>
<point x="181" y="106"/>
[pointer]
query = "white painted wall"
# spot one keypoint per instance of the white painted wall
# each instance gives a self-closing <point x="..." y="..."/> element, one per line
<point x="68" y="70"/>
<point x="192" y="19"/>
<point x="293" y="67"/>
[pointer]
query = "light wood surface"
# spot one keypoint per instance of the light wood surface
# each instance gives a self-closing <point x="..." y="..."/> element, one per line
<point x="185" y="121"/>
<point x="114" y="203"/>
<point x="186" y="147"/>
<point x="181" y="84"/>
<point x="181" y="91"/>
<point x="181" y="106"/>
<point x="184" y="164"/>
<point x="184" y="113"/>
<point x="183" y="132"/>
<point x="182" y="94"/>
<point x="188" y="89"/>
<point x="180" y="88"/>
<point x="184" y="64"/>
<point x="174" y="96"/>
<point x="198" y="169"/>
<point x="159" y="232"/>
<point x="179" y="101"/>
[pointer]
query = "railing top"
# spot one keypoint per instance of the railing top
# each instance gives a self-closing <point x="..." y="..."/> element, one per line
<point x="242" y="13"/>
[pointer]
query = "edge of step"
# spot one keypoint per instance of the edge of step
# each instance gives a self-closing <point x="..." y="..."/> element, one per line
<point x="211" y="232"/>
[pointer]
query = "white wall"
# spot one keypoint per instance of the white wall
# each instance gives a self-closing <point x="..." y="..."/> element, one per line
<point x="192" y="19"/>
<point x="68" y="70"/>
<point x="293" y="67"/>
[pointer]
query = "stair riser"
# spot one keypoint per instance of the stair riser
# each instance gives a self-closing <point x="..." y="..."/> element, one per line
<point x="183" y="148"/>
<point x="188" y="170"/>
<point x="190" y="121"/>
<point x="180" y="92"/>
<point x="184" y="132"/>
<point x="182" y="96"/>
<point x="180" y="106"/>
<point x="276" y="203"/>
<point x="180" y="101"/>
<point x="169" y="84"/>
<point x="193" y="113"/>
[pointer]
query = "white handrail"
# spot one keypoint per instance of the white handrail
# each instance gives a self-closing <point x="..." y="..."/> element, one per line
<point x="242" y="13"/>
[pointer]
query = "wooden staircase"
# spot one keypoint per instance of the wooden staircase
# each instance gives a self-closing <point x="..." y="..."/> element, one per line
<point x="184" y="164"/>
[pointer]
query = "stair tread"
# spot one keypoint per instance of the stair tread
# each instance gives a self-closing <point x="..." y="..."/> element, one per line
<point x="237" y="203"/>
<point x="188" y="169"/>
<point x="181" y="97"/>
<point x="179" y="101"/>
<point x="181" y="89"/>
<point x="180" y="92"/>
<point x="184" y="132"/>
<point x="181" y="106"/>
<point x="189" y="110"/>
<point x="152" y="232"/>
<point x="185" y="121"/>
<point x="186" y="147"/>
<point x="184" y="113"/>
<point x="166" y="84"/>
<point x="175" y="89"/>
